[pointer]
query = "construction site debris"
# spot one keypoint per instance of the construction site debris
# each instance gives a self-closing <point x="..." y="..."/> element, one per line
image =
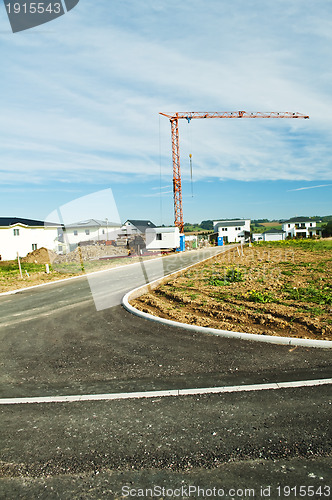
<point x="91" y="252"/>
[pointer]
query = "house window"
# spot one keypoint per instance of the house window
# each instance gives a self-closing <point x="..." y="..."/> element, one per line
<point x="75" y="233"/>
<point x="159" y="236"/>
<point x="34" y="246"/>
<point x="288" y="225"/>
<point x="103" y="232"/>
<point x="16" y="232"/>
<point x="87" y="232"/>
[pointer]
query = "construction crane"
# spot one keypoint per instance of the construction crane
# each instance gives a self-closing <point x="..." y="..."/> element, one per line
<point x="174" y="119"/>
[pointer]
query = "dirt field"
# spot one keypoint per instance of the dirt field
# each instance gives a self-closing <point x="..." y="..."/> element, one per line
<point x="270" y="224"/>
<point x="279" y="289"/>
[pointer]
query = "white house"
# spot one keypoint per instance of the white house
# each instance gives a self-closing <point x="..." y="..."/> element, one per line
<point x="161" y="238"/>
<point x="232" y="231"/>
<point x="22" y="236"/>
<point x="301" y="227"/>
<point x="89" y="230"/>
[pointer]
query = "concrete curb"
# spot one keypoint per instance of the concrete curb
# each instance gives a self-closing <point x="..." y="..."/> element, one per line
<point x="137" y="292"/>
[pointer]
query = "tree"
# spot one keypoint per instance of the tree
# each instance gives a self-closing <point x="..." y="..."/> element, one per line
<point x="207" y="224"/>
<point x="327" y="230"/>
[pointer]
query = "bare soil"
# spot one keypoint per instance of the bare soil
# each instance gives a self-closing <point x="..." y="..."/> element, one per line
<point x="281" y="291"/>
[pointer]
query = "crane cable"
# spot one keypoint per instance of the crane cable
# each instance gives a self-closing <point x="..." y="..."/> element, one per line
<point x="160" y="178"/>
<point x="191" y="174"/>
<point x="191" y="162"/>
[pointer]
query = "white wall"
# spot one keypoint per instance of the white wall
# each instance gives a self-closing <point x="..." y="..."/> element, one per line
<point x="170" y="238"/>
<point x="22" y="243"/>
<point x="274" y="236"/>
<point x="257" y="236"/>
<point x="95" y="234"/>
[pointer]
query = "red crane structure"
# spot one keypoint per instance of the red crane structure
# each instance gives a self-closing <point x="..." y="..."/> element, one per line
<point x="174" y="119"/>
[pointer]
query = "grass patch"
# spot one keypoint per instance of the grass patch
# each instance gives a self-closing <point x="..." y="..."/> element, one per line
<point x="310" y="294"/>
<point x="10" y="268"/>
<point x="257" y="296"/>
<point x="231" y="275"/>
<point x="305" y="244"/>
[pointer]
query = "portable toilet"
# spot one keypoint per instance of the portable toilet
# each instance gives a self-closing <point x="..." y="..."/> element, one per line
<point x="220" y="241"/>
<point x="182" y="243"/>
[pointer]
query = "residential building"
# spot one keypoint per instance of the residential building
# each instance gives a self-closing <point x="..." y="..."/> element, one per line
<point x="22" y="236"/>
<point x="301" y="227"/>
<point x="132" y="226"/>
<point x="232" y="231"/>
<point x="92" y="230"/>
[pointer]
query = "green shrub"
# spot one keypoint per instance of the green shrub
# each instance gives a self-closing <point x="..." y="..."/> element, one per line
<point x="257" y="296"/>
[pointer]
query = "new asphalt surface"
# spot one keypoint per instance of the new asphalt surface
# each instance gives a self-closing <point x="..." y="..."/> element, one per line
<point x="55" y="342"/>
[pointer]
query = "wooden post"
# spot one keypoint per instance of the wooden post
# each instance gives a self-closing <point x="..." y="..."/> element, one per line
<point x="19" y="264"/>
<point x="81" y="258"/>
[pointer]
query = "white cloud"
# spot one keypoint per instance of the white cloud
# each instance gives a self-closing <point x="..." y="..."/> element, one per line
<point x="310" y="187"/>
<point x="83" y="100"/>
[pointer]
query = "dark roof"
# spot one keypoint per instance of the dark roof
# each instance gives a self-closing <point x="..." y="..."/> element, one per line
<point x="298" y="219"/>
<point x="230" y="223"/>
<point x="274" y="231"/>
<point x="141" y="225"/>
<point x="11" y="221"/>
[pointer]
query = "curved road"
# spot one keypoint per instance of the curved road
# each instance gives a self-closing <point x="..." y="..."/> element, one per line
<point x="55" y="342"/>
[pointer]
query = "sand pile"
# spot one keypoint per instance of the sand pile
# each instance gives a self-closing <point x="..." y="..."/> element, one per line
<point x="40" y="256"/>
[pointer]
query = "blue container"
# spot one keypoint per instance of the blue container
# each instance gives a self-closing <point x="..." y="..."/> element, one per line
<point x="220" y="241"/>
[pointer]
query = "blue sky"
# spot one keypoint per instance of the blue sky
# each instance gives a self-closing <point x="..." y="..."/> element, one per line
<point x="80" y="99"/>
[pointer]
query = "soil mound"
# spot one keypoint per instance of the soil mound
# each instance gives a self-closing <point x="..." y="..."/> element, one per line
<point x="40" y="256"/>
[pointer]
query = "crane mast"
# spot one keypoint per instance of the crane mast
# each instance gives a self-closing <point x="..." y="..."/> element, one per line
<point x="193" y="115"/>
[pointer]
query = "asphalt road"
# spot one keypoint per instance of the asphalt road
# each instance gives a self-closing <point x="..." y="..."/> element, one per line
<point x="55" y="342"/>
